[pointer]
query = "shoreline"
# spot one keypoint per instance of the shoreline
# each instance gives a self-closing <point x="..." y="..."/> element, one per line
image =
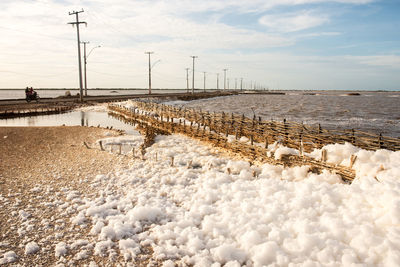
<point x="38" y="164"/>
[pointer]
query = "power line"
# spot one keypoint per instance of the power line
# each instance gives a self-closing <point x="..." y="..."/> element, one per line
<point x="35" y="34"/>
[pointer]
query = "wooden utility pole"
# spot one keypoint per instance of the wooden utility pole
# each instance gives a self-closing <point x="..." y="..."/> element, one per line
<point x="193" y="74"/>
<point x="149" y="53"/>
<point x="225" y="78"/>
<point x="187" y="80"/>
<point x="77" y="22"/>
<point x="204" y="81"/>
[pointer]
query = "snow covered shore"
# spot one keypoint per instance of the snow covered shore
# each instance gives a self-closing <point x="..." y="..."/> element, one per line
<point x="194" y="206"/>
<point x="196" y="213"/>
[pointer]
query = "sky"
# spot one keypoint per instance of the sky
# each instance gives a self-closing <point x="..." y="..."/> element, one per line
<point x="272" y="44"/>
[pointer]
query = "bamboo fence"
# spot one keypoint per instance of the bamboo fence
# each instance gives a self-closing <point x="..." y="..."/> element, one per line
<point x="33" y="112"/>
<point x="215" y="128"/>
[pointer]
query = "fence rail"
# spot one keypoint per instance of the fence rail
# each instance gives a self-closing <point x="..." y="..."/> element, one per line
<point x="291" y="134"/>
<point x="217" y="127"/>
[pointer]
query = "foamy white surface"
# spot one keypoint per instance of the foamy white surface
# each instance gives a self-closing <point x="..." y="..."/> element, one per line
<point x="99" y="107"/>
<point x="196" y="212"/>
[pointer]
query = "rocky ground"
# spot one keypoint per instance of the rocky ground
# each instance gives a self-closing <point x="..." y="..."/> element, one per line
<point x="42" y="170"/>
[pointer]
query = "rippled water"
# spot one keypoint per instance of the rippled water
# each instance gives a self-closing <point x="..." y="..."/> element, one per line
<point x="376" y="112"/>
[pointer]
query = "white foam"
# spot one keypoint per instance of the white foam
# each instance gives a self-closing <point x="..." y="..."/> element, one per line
<point x="31" y="248"/>
<point x="61" y="249"/>
<point x="230" y="213"/>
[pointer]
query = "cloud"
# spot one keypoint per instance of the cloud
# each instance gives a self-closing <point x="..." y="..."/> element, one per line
<point x="292" y="22"/>
<point x="392" y="61"/>
<point x="42" y="47"/>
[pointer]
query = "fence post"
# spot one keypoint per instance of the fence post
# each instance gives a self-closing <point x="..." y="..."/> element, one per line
<point x="285" y="131"/>
<point x="301" y="148"/>
<point x="380" y="141"/>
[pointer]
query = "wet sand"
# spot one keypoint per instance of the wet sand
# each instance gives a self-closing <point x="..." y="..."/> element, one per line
<point x="38" y="165"/>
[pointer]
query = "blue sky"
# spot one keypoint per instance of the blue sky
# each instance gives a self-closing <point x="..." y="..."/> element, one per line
<point x="275" y="44"/>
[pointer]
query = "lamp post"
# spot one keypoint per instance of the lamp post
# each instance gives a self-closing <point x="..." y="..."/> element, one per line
<point x="149" y="53"/>
<point x="85" y="57"/>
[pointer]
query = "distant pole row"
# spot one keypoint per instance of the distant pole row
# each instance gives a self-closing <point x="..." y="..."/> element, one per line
<point x="77" y="23"/>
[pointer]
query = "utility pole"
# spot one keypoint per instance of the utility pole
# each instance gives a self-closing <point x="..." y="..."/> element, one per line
<point x="77" y="22"/>
<point x="217" y="81"/>
<point x="241" y="84"/>
<point x="187" y="80"/>
<point x="84" y="64"/>
<point x="149" y="53"/>
<point x="225" y="78"/>
<point x="204" y="81"/>
<point x="193" y="74"/>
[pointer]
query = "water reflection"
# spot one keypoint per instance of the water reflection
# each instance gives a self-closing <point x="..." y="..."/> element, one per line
<point x="74" y="118"/>
<point x="84" y="119"/>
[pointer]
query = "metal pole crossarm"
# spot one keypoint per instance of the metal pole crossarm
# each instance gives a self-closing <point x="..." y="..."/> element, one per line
<point x="76" y="12"/>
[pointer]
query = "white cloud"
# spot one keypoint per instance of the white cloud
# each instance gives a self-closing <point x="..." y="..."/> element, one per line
<point x="292" y="22"/>
<point x="392" y="61"/>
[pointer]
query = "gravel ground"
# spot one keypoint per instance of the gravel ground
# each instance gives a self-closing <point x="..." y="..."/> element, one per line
<point x="39" y="168"/>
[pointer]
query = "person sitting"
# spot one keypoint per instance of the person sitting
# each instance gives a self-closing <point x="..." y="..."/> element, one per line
<point x="27" y="92"/>
<point x="33" y="93"/>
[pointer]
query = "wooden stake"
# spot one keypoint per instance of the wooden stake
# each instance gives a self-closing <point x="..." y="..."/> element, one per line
<point x="353" y="159"/>
<point x="101" y="145"/>
<point x="324" y="155"/>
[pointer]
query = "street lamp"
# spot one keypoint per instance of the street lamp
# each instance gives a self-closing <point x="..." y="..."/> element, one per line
<point x="149" y="53"/>
<point x="85" y="57"/>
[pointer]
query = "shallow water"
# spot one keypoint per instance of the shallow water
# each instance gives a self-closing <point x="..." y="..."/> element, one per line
<point x="375" y="112"/>
<point x="74" y="118"/>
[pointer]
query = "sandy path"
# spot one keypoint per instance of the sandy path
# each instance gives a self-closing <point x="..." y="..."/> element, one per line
<point x="38" y="165"/>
